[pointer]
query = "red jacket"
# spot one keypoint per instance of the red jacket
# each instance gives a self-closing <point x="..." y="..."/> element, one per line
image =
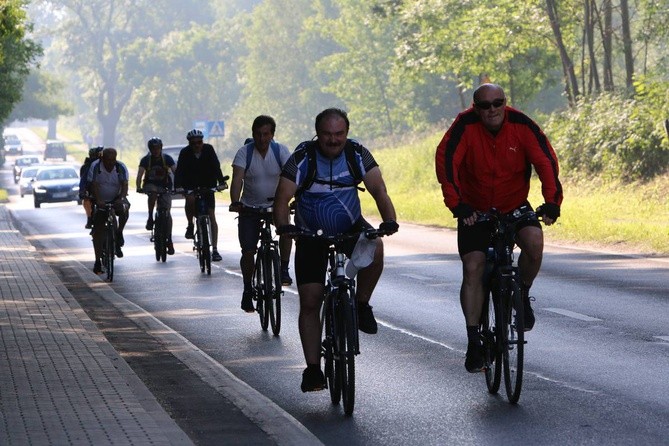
<point x="485" y="171"/>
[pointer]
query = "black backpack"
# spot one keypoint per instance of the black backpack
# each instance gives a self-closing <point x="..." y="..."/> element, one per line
<point x="350" y="150"/>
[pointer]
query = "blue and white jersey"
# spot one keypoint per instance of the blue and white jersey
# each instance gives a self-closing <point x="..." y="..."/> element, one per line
<point x="331" y="203"/>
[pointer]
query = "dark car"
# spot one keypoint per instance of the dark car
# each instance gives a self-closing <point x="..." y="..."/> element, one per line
<point x="13" y="144"/>
<point x="21" y="162"/>
<point x="56" y="184"/>
<point x="55" y="149"/>
<point x="26" y="180"/>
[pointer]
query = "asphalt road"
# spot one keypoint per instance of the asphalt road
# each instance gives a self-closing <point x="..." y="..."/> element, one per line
<point x="596" y="361"/>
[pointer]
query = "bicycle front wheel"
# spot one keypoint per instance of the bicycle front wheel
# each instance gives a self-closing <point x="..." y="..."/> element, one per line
<point x="110" y="248"/>
<point x="347" y="337"/>
<point x="493" y="354"/>
<point x="514" y="341"/>
<point x="159" y="237"/>
<point x="273" y="289"/>
<point x="259" y="277"/>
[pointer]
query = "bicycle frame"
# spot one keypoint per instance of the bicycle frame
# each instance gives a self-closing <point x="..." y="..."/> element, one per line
<point x="267" y="271"/>
<point x="109" y="243"/>
<point x="502" y="329"/>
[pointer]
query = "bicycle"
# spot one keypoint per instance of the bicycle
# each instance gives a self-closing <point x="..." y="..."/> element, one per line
<point x="109" y="243"/>
<point x="266" y="279"/>
<point x="160" y="234"/>
<point x="201" y="242"/>
<point x="339" y="319"/>
<point x="502" y="325"/>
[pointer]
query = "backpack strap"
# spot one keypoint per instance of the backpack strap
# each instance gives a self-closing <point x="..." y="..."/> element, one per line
<point x="276" y="149"/>
<point x="350" y="150"/>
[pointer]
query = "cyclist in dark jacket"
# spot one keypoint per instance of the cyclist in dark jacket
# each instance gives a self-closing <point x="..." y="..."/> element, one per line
<point x="198" y="166"/>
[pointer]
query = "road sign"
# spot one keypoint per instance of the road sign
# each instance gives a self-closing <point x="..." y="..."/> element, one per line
<point x="215" y="129"/>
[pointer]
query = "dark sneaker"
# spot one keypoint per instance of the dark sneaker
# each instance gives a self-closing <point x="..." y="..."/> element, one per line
<point x="189" y="232"/>
<point x="529" y="313"/>
<point x="474" y="358"/>
<point x="247" y="302"/>
<point x="97" y="268"/>
<point x="215" y="256"/>
<point x="119" y="239"/>
<point x="89" y="223"/>
<point x="286" y="280"/>
<point x="149" y="224"/>
<point x="366" y="322"/>
<point x="312" y="379"/>
<point x="170" y="248"/>
<point x="119" y="253"/>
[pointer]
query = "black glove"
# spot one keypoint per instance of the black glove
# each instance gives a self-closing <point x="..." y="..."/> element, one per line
<point x="389" y="227"/>
<point x="286" y="229"/>
<point x="463" y="211"/>
<point x="550" y="210"/>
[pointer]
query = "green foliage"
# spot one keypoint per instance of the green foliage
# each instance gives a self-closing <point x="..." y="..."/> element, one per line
<point x="611" y="136"/>
<point x="42" y="98"/>
<point x="17" y="54"/>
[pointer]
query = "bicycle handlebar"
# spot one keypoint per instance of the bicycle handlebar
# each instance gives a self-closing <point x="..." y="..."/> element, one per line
<point x="495" y="216"/>
<point x="370" y="233"/>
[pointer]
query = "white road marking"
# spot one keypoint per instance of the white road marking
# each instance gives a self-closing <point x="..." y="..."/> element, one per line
<point x="662" y="338"/>
<point x="573" y="314"/>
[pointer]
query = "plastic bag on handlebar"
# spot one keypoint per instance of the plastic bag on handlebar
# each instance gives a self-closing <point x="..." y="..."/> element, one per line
<point x="362" y="255"/>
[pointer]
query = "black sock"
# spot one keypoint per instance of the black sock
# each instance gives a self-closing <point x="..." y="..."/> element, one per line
<point x="284" y="265"/>
<point x="473" y="336"/>
<point x="314" y="366"/>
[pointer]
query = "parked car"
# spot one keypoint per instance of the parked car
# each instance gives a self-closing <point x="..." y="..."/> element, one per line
<point x="13" y="144"/>
<point x="22" y="162"/>
<point x="55" y="149"/>
<point x="26" y="180"/>
<point x="56" y="183"/>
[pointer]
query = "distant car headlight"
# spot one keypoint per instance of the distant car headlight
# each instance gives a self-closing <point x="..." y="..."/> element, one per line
<point x="75" y="188"/>
<point x="39" y="190"/>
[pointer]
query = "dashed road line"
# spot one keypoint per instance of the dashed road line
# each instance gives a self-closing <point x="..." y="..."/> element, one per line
<point x="573" y="314"/>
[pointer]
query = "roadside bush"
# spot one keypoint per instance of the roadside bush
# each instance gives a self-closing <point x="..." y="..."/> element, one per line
<point x="611" y="136"/>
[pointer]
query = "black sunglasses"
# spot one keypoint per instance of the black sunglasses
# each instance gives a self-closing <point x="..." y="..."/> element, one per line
<point x="485" y="105"/>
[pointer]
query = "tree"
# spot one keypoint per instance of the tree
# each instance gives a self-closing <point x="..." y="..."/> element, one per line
<point x="17" y="54"/>
<point x="41" y="98"/>
<point x="106" y="46"/>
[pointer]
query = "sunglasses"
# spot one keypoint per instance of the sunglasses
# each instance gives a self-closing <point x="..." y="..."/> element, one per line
<point x="485" y="105"/>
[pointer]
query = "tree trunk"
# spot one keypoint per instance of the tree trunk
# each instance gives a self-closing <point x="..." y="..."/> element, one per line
<point x="590" y="27"/>
<point x="571" y="82"/>
<point x="627" y="45"/>
<point x="606" y="28"/>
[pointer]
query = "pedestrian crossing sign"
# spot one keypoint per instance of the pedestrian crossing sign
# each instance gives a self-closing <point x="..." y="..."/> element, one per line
<point x="215" y="129"/>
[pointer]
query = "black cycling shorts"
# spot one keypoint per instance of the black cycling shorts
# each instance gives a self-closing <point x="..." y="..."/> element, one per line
<point x="477" y="236"/>
<point x="311" y="256"/>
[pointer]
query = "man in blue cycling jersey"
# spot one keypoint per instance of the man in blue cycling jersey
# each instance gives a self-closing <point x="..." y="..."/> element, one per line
<point x="326" y="196"/>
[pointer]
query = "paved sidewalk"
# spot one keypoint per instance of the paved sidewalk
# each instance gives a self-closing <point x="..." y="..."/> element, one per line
<point x="61" y="382"/>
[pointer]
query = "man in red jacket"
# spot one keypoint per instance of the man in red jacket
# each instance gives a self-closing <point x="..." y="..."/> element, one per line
<point x="485" y="161"/>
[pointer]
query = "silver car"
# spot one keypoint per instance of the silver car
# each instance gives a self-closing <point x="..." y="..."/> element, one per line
<point x="26" y="180"/>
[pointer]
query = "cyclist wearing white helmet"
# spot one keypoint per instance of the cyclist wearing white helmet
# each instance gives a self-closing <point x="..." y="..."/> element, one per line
<point x="198" y="166"/>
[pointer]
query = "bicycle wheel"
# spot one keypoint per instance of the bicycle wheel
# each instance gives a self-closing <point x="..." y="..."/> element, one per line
<point x="329" y="351"/>
<point x="273" y="289"/>
<point x="110" y="248"/>
<point x="493" y="354"/>
<point x="206" y="251"/>
<point x="347" y="347"/>
<point x="159" y="239"/>
<point x="514" y="341"/>
<point x="259" y="290"/>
